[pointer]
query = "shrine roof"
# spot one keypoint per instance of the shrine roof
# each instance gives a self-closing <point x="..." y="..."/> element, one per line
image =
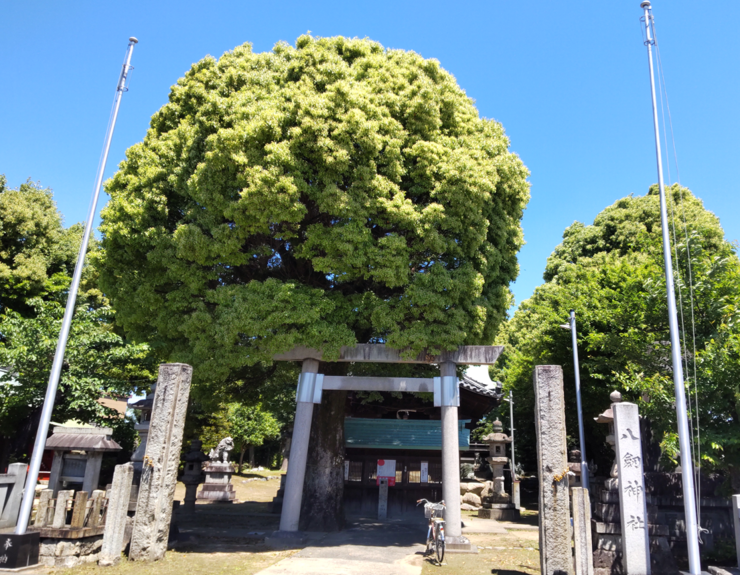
<point x="83" y="438"/>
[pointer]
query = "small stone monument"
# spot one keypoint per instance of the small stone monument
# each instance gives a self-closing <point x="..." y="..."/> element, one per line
<point x="115" y="519"/>
<point x="218" y="470"/>
<point x="11" y="492"/>
<point x="608" y="555"/>
<point x="161" y="462"/>
<point x="193" y="474"/>
<point x="632" y="506"/>
<point x="552" y="465"/>
<point x="496" y="502"/>
<point x="78" y="455"/>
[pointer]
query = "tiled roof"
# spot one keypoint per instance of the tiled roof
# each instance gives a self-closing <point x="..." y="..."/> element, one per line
<point x="470" y="384"/>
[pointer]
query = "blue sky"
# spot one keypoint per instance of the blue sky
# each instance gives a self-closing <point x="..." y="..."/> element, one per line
<point x="568" y="81"/>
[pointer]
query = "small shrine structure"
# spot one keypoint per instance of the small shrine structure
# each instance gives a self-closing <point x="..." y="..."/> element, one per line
<point x="78" y="455"/>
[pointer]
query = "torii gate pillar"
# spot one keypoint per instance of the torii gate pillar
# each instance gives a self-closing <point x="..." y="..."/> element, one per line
<point x="454" y="539"/>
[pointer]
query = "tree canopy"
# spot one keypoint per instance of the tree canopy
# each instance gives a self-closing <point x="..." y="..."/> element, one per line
<point x="611" y="273"/>
<point x="325" y="194"/>
<point x="36" y="251"/>
<point x="37" y="257"/>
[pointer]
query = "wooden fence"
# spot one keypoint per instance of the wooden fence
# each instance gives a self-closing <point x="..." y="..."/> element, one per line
<point x="71" y="515"/>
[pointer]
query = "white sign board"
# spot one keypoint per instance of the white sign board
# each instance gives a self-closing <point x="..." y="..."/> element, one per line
<point x="386" y="469"/>
<point x="425" y="472"/>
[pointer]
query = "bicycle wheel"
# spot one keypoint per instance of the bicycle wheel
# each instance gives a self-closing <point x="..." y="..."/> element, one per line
<point x="440" y="548"/>
<point x="430" y="546"/>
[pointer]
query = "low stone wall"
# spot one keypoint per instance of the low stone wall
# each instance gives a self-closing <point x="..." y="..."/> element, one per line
<point x="69" y="552"/>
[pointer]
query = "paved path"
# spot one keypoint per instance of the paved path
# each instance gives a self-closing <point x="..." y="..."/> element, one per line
<point x="375" y="548"/>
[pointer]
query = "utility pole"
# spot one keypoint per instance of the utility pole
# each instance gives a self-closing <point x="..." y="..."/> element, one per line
<point x="687" y="465"/>
<point x="571" y="325"/>
<point x="56" y="368"/>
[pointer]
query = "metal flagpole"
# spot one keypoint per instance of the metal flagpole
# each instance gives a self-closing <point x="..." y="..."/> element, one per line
<point x="56" y="368"/>
<point x="577" y="369"/>
<point x="687" y="465"/>
<point x="571" y="325"/>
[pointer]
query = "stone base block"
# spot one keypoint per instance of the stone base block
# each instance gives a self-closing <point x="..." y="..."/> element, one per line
<point x="70" y="552"/>
<point x="459" y="544"/>
<point x="721" y="571"/>
<point x="19" y="551"/>
<point x="500" y="514"/>
<point x="607" y="562"/>
<point x="286" y="540"/>
<point x="217" y="492"/>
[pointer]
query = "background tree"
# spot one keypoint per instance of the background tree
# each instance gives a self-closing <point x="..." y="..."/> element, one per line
<point x="36" y="251"/>
<point x="37" y="257"/>
<point x="611" y="273"/>
<point x="322" y="195"/>
<point x="250" y="427"/>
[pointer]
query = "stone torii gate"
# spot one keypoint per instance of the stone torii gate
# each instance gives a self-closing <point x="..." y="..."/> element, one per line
<point x="446" y="391"/>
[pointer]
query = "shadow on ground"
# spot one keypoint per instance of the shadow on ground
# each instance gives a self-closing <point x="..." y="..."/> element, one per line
<point x="227" y="528"/>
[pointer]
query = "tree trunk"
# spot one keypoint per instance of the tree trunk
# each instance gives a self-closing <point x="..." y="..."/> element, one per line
<point x="286" y="451"/>
<point x="322" y="507"/>
<point x="251" y="456"/>
<point x="241" y="458"/>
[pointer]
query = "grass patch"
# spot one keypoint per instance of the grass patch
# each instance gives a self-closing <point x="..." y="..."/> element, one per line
<point x="515" y="553"/>
<point x="191" y="563"/>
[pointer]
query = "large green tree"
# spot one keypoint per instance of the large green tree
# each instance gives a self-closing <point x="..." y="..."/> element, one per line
<point x="611" y="273"/>
<point x="325" y="194"/>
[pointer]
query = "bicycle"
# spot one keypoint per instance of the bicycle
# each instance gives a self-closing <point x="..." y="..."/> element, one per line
<point x="435" y="513"/>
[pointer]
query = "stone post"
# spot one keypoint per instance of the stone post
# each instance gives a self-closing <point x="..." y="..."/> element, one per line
<point x="56" y="471"/>
<point x="515" y="494"/>
<point x="161" y="462"/>
<point x="582" y="531"/>
<point x="11" y="493"/>
<point x="115" y="516"/>
<point x="552" y="466"/>
<point x="291" y="512"/>
<point x="736" y="518"/>
<point x="383" y="499"/>
<point x="632" y="505"/>
<point x="454" y="539"/>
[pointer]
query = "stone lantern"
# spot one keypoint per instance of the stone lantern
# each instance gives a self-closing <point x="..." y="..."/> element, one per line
<point x="608" y="418"/>
<point x="497" y="458"/>
<point x="496" y="502"/>
<point x="193" y="474"/>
